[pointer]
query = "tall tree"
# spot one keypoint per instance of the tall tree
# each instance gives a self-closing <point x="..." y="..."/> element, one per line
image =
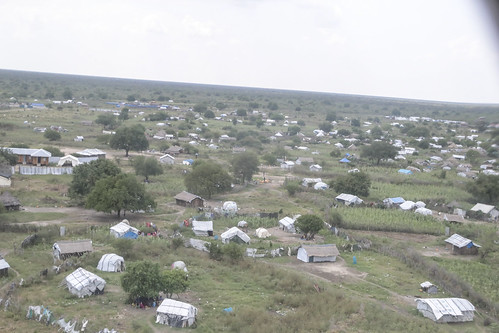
<point x="130" y="138"/>
<point x="146" y="167"/>
<point x="86" y="175"/>
<point x="173" y="282"/>
<point x="124" y="114"/>
<point x="378" y="151"/>
<point x="119" y="193"/>
<point x="485" y="189"/>
<point x="207" y="178"/>
<point x="353" y="183"/>
<point x="142" y="279"/>
<point x="108" y="120"/>
<point x="244" y="166"/>
<point x="309" y="225"/>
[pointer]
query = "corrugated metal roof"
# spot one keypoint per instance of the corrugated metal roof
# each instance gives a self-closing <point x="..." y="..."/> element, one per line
<point x="4" y="264"/>
<point x="31" y="152"/>
<point x="286" y="221"/>
<point x="459" y="241"/>
<point x="322" y="250"/>
<point x="447" y="306"/>
<point x="348" y="198"/>
<point x="186" y="196"/>
<point x="482" y="208"/>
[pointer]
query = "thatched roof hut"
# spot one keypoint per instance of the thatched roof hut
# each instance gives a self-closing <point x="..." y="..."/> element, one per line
<point x="9" y="201"/>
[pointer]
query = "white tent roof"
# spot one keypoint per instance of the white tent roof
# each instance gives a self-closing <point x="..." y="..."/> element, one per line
<point x="230" y="206"/>
<point x="110" y="262"/>
<point x="349" y="198"/>
<point x="84" y="283"/>
<point x="172" y="307"/>
<point x="420" y="204"/>
<point x="233" y="232"/>
<point x="69" y="158"/>
<point x="482" y="208"/>
<point x="4" y="264"/>
<point x="202" y="226"/>
<point x="122" y="228"/>
<point x="423" y="211"/>
<point x="407" y="205"/>
<point x="287" y="221"/>
<point x="262" y="233"/>
<point x="321" y="186"/>
<point x="242" y="224"/>
<point x="179" y="265"/>
<point x="447" y="306"/>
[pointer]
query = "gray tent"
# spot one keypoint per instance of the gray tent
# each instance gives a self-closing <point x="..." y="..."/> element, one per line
<point x="111" y="263"/>
<point x="175" y="313"/>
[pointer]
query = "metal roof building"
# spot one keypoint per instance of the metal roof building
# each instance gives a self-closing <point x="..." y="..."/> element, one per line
<point x="446" y="310"/>
<point x="461" y="245"/>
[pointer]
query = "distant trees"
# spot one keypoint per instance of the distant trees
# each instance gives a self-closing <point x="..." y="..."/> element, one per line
<point x="129" y="138"/>
<point x="6" y="157"/>
<point x="272" y="106"/>
<point x="52" y="135"/>
<point x="146" y="166"/>
<point x="357" y="183"/>
<point x="355" y="122"/>
<point x="331" y="116"/>
<point x="209" y="114"/>
<point x="242" y="112"/>
<point x="123" y="114"/>
<point x="158" y="116"/>
<point x="207" y="178"/>
<point x="67" y="94"/>
<point x="485" y="189"/>
<point x="293" y="130"/>
<point x="244" y="166"/>
<point x="325" y="126"/>
<point x="108" y="120"/>
<point x="200" y="108"/>
<point x="309" y="225"/>
<point x="378" y="151"/>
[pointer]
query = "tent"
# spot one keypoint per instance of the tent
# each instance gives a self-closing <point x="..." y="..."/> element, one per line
<point x="229" y="208"/>
<point x="120" y="229"/>
<point x="318" y="253"/>
<point x="242" y="224"/>
<point x="345" y="160"/>
<point x="429" y="287"/>
<point x="446" y="310"/>
<point x="84" y="283"/>
<point x="407" y="205"/>
<point x="321" y="186"/>
<point x="69" y="160"/>
<point x="393" y="201"/>
<point x="202" y="228"/>
<point x="111" y="263"/>
<point x="349" y="199"/>
<point x="179" y="265"/>
<point x="234" y="234"/>
<point x="420" y="204"/>
<point x="63" y="249"/>
<point x="175" y="313"/>
<point x="4" y="267"/>
<point x="405" y="172"/>
<point x="288" y="224"/>
<point x="262" y="233"/>
<point x="130" y="234"/>
<point x="423" y="211"/>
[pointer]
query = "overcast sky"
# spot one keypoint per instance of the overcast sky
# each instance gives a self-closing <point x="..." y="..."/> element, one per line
<point x="443" y="50"/>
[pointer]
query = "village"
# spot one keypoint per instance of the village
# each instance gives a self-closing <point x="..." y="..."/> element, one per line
<point x="270" y="207"/>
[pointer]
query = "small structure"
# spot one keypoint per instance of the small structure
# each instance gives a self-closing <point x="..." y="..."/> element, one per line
<point x="461" y="245"/>
<point x="318" y="253"/>
<point x="242" y="224"/>
<point x="446" y="310"/>
<point x="423" y="211"/>
<point x="405" y="172"/>
<point x="321" y="186"/>
<point x="349" y="199"/>
<point x="180" y="265"/>
<point x="310" y="182"/>
<point x="4" y="267"/>
<point x="262" y="233"/>
<point x="64" y="249"/>
<point x="94" y="152"/>
<point x="287" y="165"/>
<point x="9" y="201"/>
<point x="176" y="314"/>
<point x="38" y="157"/>
<point x="111" y="263"/>
<point x="429" y="287"/>
<point x="202" y="228"/>
<point x="187" y="199"/>
<point x="486" y="209"/>
<point x="345" y="160"/>
<point x="393" y="202"/>
<point x="68" y="160"/>
<point x="235" y="234"/>
<point x="84" y="283"/>
<point x="5" y="175"/>
<point x="121" y="229"/>
<point x="174" y="150"/>
<point x="167" y="159"/>
<point x="288" y="224"/>
<point x="229" y="208"/>
<point x="407" y="205"/>
<point x="315" y="167"/>
<point x="188" y="161"/>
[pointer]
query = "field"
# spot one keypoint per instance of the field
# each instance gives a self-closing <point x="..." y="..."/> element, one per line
<point x="394" y="250"/>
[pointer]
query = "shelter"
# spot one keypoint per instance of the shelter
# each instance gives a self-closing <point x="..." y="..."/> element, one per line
<point x="446" y="310"/>
<point x="130" y="234"/>
<point x="349" y="199"/>
<point x="180" y="265"/>
<point x="167" y="159"/>
<point x="65" y="249"/>
<point x="315" y="167"/>
<point x="4" y="267"/>
<point x="119" y="230"/>
<point x="423" y="211"/>
<point x="242" y="224"/>
<point x="288" y="224"/>
<point x="84" y="283"/>
<point x="187" y="199"/>
<point x="461" y="245"/>
<point x="390" y="202"/>
<point x="235" y="234"/>
<point x="202" y="228"/>
<point x="9" y="201"/>
<point x="318" y="253"/>
<point x="229" y="208"/>
<point x="174" y="150"/>
<point x="38" y="157"/>
<point x="176" y="314"/>
<point x="111" y="263"/>
<point x="188" y="161"/>
<point x="68" y="160"/>
<point x="321" y="186"/>
<point x="407" y="205"/>
<point x="262" y="233"/>
<point x="486" y="209"/>
<point x="345" y="160"/>
<point x="309" y="182"/>
<point x="429" y="287"/>
<point x="405" y="172"/>
<point x="5" y="175"/>
<point x="94" y="152"/>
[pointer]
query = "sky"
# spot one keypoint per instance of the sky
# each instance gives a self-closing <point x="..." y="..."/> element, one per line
<point x="442" y="50"/>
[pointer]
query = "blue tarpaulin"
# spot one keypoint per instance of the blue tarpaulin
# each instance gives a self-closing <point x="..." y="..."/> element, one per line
<point x="344" y="160"/>
<point x="130" y="235"/>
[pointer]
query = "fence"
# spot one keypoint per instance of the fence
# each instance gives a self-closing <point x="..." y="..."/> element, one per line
<point x="43" y="170"/>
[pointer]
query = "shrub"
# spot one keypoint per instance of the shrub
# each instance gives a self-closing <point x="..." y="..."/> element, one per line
<point x="233" y="252"/>
<point x="215" y="250"/>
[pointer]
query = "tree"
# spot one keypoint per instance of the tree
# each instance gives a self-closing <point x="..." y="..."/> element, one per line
<point x="273" y="106"/>
<point x="67" y="94"/>
<point x="355" y="122"/>
<point x="119" y="193"/>
<point x="473" y="156"/>
<point x="6" y="157"/>
<point x="376" y="132"/>
<point x="142" y="279"/>
<point x="123" y="114"/>
<point x="129" y="138"/>
<point x="293" y="130"/>
<point x="485" y="189"/>
<point x="357" y="183"/>
<point x="173" y="282"/>
<point x="52" y="135"/>
<point x="54" y="151"/>
<point x="108" y="120"/>
<point x="331" y="116"/>
<point x="146" y="167"/>
<point x="244" y="166"/>
<point x="200" y="108"/>
<point x="207" y="178"/>
<point x="242" y="112"/>
<point x="309" y="225"/>
<point x="86" y="175"/>
<point x="378" y="151"/>
<point x="209" y="114"/>
<point x="326" y="127"/>
<point x="270" y="159"/>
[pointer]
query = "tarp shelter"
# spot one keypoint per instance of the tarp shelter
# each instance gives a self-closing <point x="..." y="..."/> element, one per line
<point x="423" y="211"/>
<point x="321" y="186"/>
<point x="64" y="249"/>
<point x="405" y="172"/>
<point x="235" y="234"/>
<point x="486" y="209"/>
<point x="349" y="199"/>
<point x="287" y="224"/>
<point x="4" y="267"/>
<point x="68" y="160"/>
<point x="229" y="208"/>
<point x="461" y="245"/>
<point x="130" y="234"/>
<point x="318" y="253"/>
<point x="420" y="204"/>
<point x="393" y="201"/>
<point x="84" y="283"/>
<point x="446" y="310"/>
<point x="345" y="160"/>
<point x="9" y="201"/>
<point x="407" y="205"/>
<point x="176" y="314"/>
<point x="179" y="265"/>
<point x="111" y="263"/>
<point x="429" y="287"/>
<point x="119" y="230"/>
<point x="242" y="224"/>
<point x="262" y="233"/>
<point x="202" y="228"/>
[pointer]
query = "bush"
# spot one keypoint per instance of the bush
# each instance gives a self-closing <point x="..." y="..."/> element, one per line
<point x="292" y="188"/>
<point x="233" y="252"/>
<point x="215" y="250"/>
<point x="176" y="243"/>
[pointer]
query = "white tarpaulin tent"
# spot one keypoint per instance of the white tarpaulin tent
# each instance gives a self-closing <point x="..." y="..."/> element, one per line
<point x="120" y="229"/>
<point x="175" y="313"/>
<point x="111" y="263"/>
<point x="84" y="283"/>
<point x="262" y="233"/>
<point x="288" y="223"/>
<point x="179" y="265"/>
<point x="229" y="208"/>
<point x="236" y="235"/>
<point x="407" y="205"/>
<point x="446" y="310"/>
<point x="349" y="199"/>
<point x="202" y="228"/>
<point x="423" y="211"/>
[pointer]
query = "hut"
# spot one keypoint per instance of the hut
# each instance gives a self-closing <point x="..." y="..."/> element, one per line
<point x="111" y="263"/>
<point x="446" y="310"/>
<point x="9" y="201"/>
<point x="4" y="267"/>
<point x="167" y="159"/>
<point x="175" y="313"/>
<point x="234" y="234"/>
<point x="429" y="287"/>
<point x="318" y="253"/>
<point x="84" y="283"/>
<point x="460" y="245"/>
<point x="65" y="249"/>
<point x="287" y="224"/>
<point x="202" y="228"/>
<point x="121" y="229"/>
<point x="187" y="199"/>
<point x="349" y="199"/>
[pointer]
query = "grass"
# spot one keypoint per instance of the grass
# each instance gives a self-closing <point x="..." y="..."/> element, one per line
<point x="24" y="217"/>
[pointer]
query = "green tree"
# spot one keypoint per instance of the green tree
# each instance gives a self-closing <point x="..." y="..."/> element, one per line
<point x="378" y="151"/>
<point x="209" y="114"/>
<point x="119" y="193"/>
<point x="326" y="127"/>
<point x="142" y="279"/>
<point x="355" y="122"/>
<point x="376" y="132"/>
<point x="124" y="114"/>
<point x="485" y="189"/>
<point x="233" y="252"/>
<point x="309" y="225"/>
<point x="108" y="120"/>
<point x="293" y="130"/>
<point x="52" y="135"/>
<point x="244" y="166"/>
<point x="54" y="151"/>
<point x="473" y="156"/>
<point x="357" y="183"/>
<point x="129" y="138"/>
<point x="272" y="106"/>
<point x="207" y="178"/>
<point x="174" y="282"/>
<point x="200" y="108"/>
<point x="86" y="175"/>
<point x="146" y="167"/>
<point x="6" y="157"/>
<point x="270" y="159"/>
<point x="419" y="132"/>
<point x="331" y="116"/>
<point x="67" y="94"/>
<point x="242" y="112"/>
